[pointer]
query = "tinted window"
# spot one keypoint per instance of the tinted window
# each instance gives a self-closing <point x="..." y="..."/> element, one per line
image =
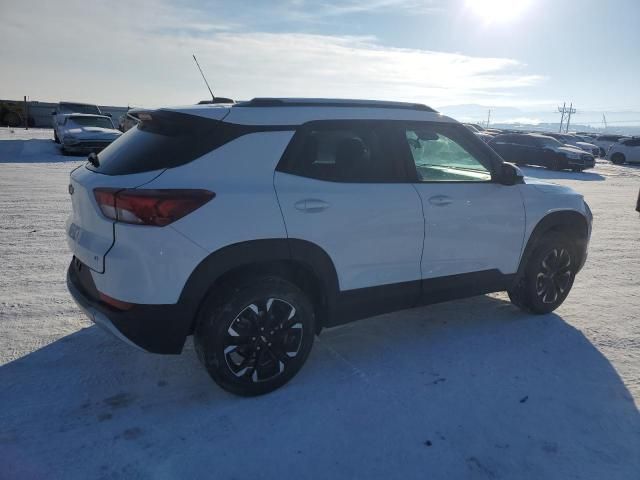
<point x="344" y="152"/>
<point x="79" y="108"/>
<point x="102" y="122"/>
<point x="634" y="142"/>
<point x="442" y="153"/>
<point x="165" y="140"/>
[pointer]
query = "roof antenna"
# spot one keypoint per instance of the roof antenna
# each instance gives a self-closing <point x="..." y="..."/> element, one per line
<point x="204" y="78"/>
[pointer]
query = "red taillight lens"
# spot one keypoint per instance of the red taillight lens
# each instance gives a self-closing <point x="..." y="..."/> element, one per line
<point x="114" y="302"/>
<point x="150" y="207"/>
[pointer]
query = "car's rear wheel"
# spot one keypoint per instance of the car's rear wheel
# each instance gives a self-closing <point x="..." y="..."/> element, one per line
<point x="55" y="137"/>
<point x="257" y="337"/>
<point x="554" y="164"/>
<point x="618" y="158"/>
<point x="548" y="276"/>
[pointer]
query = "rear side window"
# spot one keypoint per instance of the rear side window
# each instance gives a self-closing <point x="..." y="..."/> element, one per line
<point x="165" y="140"/>
<point x="634" y="142"/>
<point x="344" y="151"/>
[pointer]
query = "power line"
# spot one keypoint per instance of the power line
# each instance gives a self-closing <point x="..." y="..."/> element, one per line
<point x="564" y="106"/>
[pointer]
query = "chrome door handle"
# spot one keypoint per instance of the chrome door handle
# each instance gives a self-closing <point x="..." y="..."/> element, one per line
<point x="311" y="205"/>
<point x="440" y="200"/>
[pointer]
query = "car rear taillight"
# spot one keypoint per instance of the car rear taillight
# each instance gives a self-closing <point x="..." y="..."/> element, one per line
<point x="149" y="207"/>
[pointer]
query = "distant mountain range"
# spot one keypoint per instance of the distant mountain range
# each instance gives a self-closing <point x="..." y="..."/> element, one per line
<point x="540" y="118"/>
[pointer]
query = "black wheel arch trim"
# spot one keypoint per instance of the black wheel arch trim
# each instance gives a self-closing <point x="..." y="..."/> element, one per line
<point x="274" y="251"/>
<point x="562" y="221"/>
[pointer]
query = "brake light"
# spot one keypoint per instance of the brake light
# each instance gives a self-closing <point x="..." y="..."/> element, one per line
<point x="149" y="207"/>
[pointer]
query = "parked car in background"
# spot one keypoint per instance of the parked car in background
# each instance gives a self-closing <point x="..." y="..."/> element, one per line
<point x="575" y="141"/>
<point x="535" y="149"/>
<point x="66" y="108"/>
<point x="626" y="150"/>
<point x="80" y="133"/>
<point x="127" y="121"/>
<point x="250" y="227"/>
<point x="483" y="135"/>
<point x="605" y="142"/>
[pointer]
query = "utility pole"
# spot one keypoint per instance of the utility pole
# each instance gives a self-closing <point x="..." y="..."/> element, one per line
<point x="571" y="110"/>
<point x="562" y="111"/>
<point x="488" y="118"/>
<point x="604" y="121"/>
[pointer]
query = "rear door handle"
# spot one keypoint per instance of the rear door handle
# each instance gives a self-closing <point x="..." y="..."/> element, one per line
<point x="311" y="205"/>
<point x="440" y="200"/>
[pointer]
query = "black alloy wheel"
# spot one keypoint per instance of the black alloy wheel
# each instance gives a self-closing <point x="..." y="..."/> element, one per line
<point x="262" y="340"/>
<point x="554" y="276"/>
<point x="254" y="338"/>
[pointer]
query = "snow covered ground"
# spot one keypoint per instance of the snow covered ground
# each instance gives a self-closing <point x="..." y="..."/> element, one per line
<point x="468" y="389"/>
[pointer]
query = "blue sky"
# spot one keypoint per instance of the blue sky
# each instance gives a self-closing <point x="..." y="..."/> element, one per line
<point x="521" y="57"/>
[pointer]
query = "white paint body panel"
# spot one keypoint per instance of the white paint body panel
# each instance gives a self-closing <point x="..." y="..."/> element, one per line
<point x="372" y="232"/>
<point x="241" y="175"/>
<point x="89" y="233"/>
<point x="542" y="198"/>
<point x="148" y="265"/>
<point x="479" y="226"/>
<point x="300" y="115"/>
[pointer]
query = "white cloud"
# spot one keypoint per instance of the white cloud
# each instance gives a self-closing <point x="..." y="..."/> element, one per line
<point x="140" y="53"/>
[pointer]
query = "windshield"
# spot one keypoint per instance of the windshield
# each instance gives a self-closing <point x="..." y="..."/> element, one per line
<point x="101" y="122"/>
<point x="79" y="108"/>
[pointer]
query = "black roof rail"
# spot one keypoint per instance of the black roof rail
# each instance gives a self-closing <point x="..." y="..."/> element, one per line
<point x="302" y="102"/>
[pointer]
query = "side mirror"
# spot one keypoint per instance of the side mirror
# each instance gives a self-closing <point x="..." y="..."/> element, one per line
<point x="510" y="174"/>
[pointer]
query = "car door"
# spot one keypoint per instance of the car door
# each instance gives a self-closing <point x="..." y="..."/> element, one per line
<point x="341" y="187"/>
<point x="474" y="226"/>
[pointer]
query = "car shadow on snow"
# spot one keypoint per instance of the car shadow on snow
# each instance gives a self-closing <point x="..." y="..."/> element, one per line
<point x="466" y="389"/>
<point x="34" y="150"/>
<point x="546" y="174"/>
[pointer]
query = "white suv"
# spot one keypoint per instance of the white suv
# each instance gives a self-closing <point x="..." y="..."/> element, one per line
<point x="255" y="225"/>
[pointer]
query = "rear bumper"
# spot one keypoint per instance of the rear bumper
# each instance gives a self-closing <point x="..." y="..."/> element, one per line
<point x="151" y="328"/>
<point x="583" y="163"/>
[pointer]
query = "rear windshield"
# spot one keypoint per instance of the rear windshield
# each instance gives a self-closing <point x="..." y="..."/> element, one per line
<point x="164" y="140"/>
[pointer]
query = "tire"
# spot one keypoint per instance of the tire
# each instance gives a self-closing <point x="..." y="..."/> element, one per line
<point x="55" y="137"/>
<point x="618" y="158"/>
<point x="548" y="275"/>
<point x="272" y="324"/>
<point x="554" y="165"/>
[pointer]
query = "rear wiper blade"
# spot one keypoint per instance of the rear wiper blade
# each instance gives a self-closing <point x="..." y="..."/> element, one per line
<point x="93" y="159"/>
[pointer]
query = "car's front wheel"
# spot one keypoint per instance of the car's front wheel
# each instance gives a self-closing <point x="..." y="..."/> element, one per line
<point x="257" y="337"/>
<point x="618" y="158"/>
<point x="548" y="276"/>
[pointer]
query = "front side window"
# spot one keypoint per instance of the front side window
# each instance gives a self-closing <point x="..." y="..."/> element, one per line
<point x="439" y="156"/>
<point x="344" y="152"/>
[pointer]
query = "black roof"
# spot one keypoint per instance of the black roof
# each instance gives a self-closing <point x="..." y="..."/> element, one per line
<point x="318" y="102"/>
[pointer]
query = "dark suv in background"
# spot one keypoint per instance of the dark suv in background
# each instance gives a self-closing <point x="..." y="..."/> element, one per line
<point x="542" y="150"/>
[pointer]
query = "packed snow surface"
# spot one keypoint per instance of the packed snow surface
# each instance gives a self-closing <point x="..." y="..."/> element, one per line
<point x="462" y="390"/>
